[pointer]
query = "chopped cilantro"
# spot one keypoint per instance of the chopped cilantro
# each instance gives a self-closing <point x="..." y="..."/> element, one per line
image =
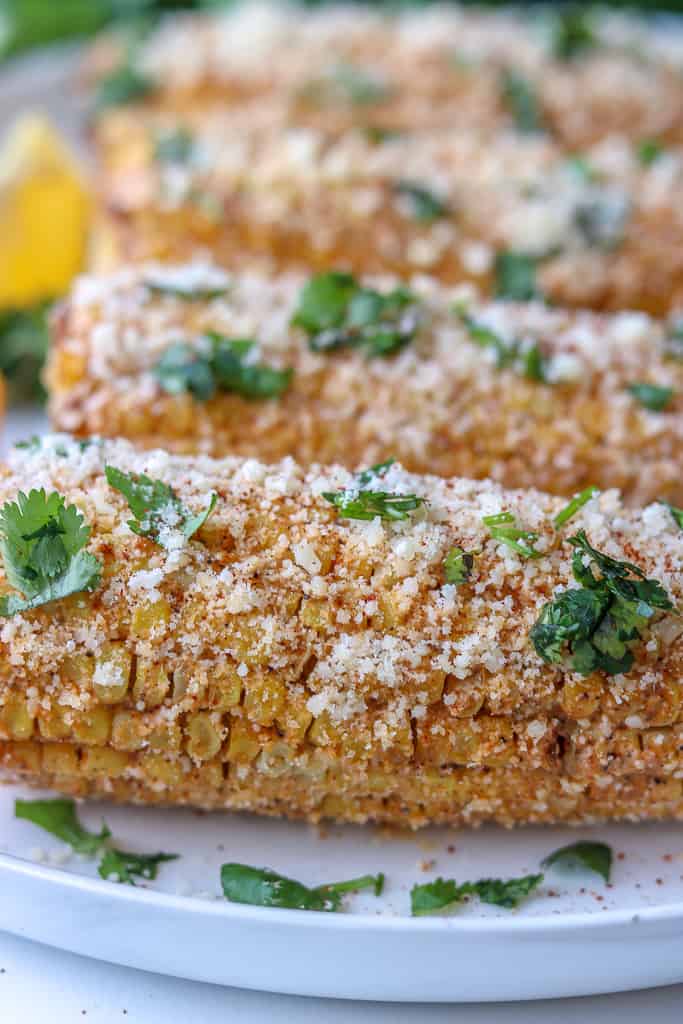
<point x="260" y="887"/>
<point x="596" y="624"/>
<point x="522" y="356"/>
<point x="376" y="134"/>
<point x="458" y="565"/>
<point x="515" y="275"/>
<point x="582" y="168"/>
<point x="520" y="98"/>
<point x="338" y="312"/>
<point x="155" y="506"/>
<point x="123" y="85"/>
<point x="358" y="503"/>
<point x="184" y="291"/>
<point x="600" y="218"/>
<point x="174" y="147"/>
<point x="125" y="867"/>
<point x="347" y="83"/>
<point x="425" y="205"/>
<point x="572" y="32"/>
<point x="648" y="150"/>
<point x="676" y="513"/>
<point x="673" y="346"/>
<point x="42" y="542"/>
<point x="577" y="503"/>
<point x="224" y="366"/>
<point x="651" y="396"/>
<point x="23" y="348"/>
<point x="522" y="541"/>
<point x="443" y="895"/>
<point x="60" y="819"/>
<point x="592" y="856"/>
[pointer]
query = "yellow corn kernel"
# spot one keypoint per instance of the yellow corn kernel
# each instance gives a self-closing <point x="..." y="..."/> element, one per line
<point x="244" y="743"/>
<point x="92" y="726"/>
<point x="151" y="683"/>
<point x="53" y="724"/>
<point x="580" y="698"/>
<point x="291" y="603"/>
<point x="151" y="619"/>
<point x="24" y="756"/>
<point x="315" y="614"/>
<point x="127" y="731"/>
<point x="112" y="673"/>
<point x="160" y="770"/>
<point x="209" y="774"/>
<point x="322" y="732"/>
<point x="78" y="669"/>
<point x="246" y="641"/>
<point x="203" y="736"/>
<point x="465" y="699"/>
<point x="433" y="685"/>
<point x="334" y="806"/>
<point x="225" y="690"/>
<point x="104" y="761"/>
<point x="61" y="759"/>
<point x="264" y="697"/>
<point x="16" y="722"/>
<point x="294" y="719"/>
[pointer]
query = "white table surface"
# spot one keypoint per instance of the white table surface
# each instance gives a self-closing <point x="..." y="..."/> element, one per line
<point x="39" y="985"/>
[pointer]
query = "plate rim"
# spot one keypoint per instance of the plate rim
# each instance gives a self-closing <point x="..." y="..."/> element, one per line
<point x="562" y="923"/>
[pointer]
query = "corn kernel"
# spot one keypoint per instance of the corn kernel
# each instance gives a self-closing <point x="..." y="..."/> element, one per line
<point x="203" y="737"/>
<point x="112" y="673"/>
<point x="151" y="683"/>
<point x="244" y="743"/>
<point x="103" y="761"/>
<point x="92" y="726"/>
<point x="16" y="722"/>
<point x="264" y="697"/>
<point x="151" y="619"/>
<point x="60" y="759"/>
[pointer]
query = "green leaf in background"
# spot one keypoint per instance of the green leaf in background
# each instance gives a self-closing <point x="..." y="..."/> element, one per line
<point x="515" y="276"/>
<point x="520" y="98"/>
<point x="60" y="819"/>
<point x="425" y="205"/>
<point x="585" y="855"/>
<point x="23" y="348"/>
<point x="651" y="396"/>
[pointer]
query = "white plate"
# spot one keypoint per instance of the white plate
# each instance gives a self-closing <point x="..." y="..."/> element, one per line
<point x="576" y="937"/>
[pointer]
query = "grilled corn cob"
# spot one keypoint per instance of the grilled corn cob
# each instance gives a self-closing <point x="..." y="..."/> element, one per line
<point x="522" y="393"/>
<point x="416" y="70"/>
<point x="604" y="232"/>
<point x="290" y="659"/>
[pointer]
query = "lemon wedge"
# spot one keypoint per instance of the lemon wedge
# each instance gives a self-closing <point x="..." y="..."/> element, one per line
<point x="44" y="213"/>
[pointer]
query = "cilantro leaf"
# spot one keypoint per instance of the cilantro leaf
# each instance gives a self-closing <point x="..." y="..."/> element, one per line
<point x="174" y="147"/>
<point x="123" y="85"/>
<point x="443" y="895"/>
<point x="572" y="32"/>
<point x="597" y="623"/>
<point x="346" y="83"/>
<point x="191" y="291"/>
<point x="648" y="150"/>
<point x="23" y="348"/>
<point x="515" y="276"/>
<point x="125" y="867"/>
<point x="677" y="513"/>
<point x="41" y="542"/>
<point x="261" y="887"/>
<point x="370" y="504"/>
<point x="673" y="346"/>
<point x="592" y="856"/>
<point x="425" y="205"/>
<point x="225" y="366"/>
<point x="574" y="506"/>
<point x="651" y="396"/>
<point x="522" y="356"/>
<point x="520" y="98"/>
<point x="156" y="506"/>
<point x="458" y="565"/>
<point x="600" y="218"/>
<point x="502" y="528"/>
<point x="338" y="312"/>
<point x="60" y="819"/>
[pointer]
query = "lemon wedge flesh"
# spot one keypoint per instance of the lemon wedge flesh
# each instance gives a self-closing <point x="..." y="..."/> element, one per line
<point x="44" y="213"/>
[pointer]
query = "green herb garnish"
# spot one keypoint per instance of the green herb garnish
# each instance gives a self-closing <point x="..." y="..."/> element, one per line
<point x="648" y="150"/>
<point x="125" y="867"/>
<point x="520" y="98"/>
<point x="376" y="134"/>
<point x="224" y="365"/>
<point x="651" y="396"/>
<point x="522" y="541"/>
<point x="155" y="506"/>
<point x="123" y="85"/>
<point x="346" y="83"/>
<point x="596" y="624"/>
<point x="523" y="356"/>
<point x="515" y="275"/>
<point x="577" y="503"/>
<point x="337" y="312"/>
<point x="425" y="205"/>
<point x="458" y="565"/>
<point x="582" y="168"/>
<point x="24" y="339"/>
<point x="600" y="219"/>
<point x="443" y="895"/>
<point x="42" y="542"/>
<point x="174" y="147"/>
<point x="673" y="345"/>
<point x="60" y="819"/>
<point x="572" y="33"/>
<point x="676" y="513"/>
<point x="191" y="292"/>
<point x="260" y="887"/>
<point x="357" y="502"/>
<point x="595" y="857"/>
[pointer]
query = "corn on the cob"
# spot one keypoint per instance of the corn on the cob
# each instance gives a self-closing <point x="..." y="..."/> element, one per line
<point x="605" y="232"/>
<point x="522" y="393"/>
<point x="289" y="660"/>
<point x="414" y="71"/>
